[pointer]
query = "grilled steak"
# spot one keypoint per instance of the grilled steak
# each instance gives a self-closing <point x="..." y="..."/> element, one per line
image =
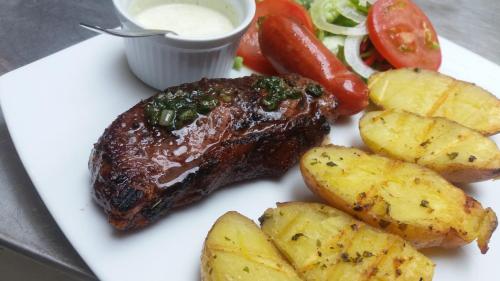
<point x="141" y="169"/>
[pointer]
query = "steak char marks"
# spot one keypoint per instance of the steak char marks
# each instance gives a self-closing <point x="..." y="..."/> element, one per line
<point x="140" y="171"/>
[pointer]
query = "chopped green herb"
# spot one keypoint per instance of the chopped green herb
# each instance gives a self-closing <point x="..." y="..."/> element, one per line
<point x="424" y="203"/>
<point x="293" y="94"/>
<point x="207" y="104"/>
<point x="472" y="158"/>
<point x="187" y="116"/>
<point x="246" y="269"/>
<point x="277" y="91"/>
<point x="358" y="258"/>
<point x="270" y="103"/>
<point x="331" y="164"/>
<point x="425" y="143"/>
<point x="167" y="119"/>
<point x="367" y="254"/>
<point x="345" y="257"/>
<point x="154" y="113"/>
<point x="452" y="155"/>
<point x="314" y="90"/>
<point x="174" y="111"/>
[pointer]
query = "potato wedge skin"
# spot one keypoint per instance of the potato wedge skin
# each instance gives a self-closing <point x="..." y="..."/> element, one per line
<point x="236" y="249"/>
<point x="323" y="243"/>
<point x="458" y="153"/>
<point x="432" y="94"/>
<point x="399" y="197"/>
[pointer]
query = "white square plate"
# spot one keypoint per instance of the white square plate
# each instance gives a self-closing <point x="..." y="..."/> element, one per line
<point x="57" y="108"/>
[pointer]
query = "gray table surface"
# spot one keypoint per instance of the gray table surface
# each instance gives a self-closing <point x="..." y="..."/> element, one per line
<point x="32" y="29"/>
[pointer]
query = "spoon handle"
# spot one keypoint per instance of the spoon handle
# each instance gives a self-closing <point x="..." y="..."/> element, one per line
<point x="126" y="33"/>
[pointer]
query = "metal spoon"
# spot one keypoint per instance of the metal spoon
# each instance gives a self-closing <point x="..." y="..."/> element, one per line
<point x="127" y="33"/>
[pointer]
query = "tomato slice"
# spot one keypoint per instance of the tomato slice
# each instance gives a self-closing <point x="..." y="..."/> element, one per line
<point x="249" y="47"/>
<point x="403" y="34"/>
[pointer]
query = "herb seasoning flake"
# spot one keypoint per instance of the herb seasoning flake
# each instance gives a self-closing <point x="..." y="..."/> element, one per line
<point x="424" y="203"/>
<point x="296" y="236"/>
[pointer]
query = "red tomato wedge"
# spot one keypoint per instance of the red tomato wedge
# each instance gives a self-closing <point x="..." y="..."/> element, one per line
<point x="403" y="34"/>
<point x="249" y="47"/>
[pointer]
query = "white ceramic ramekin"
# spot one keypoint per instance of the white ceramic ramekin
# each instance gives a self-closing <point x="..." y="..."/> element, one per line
<point x="165" y="61"/>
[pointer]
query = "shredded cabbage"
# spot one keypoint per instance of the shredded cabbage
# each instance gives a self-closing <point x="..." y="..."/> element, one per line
<point x="342" y="26"/>
<point x="349" y="10"/>
<point x="334" y="43"/>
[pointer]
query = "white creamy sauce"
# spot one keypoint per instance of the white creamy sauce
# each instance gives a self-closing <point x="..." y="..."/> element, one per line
<point x="187" y="20"/>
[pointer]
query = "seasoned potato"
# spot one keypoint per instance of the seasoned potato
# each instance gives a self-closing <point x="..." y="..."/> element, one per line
<point x="456" y="152"/>
<point x="429" y="93"/>
<point x="236" y="249"/>
<point x="323" y="243"/>
<point x="400" y="197"/>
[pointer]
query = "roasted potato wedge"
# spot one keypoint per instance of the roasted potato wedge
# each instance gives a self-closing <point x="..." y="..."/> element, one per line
<point x="400" y="197"/>
<point x="236" y="249"/>
<point x="429" y="93"/>
<point x="456" y="152"/>
<point x="323" y="243"/>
